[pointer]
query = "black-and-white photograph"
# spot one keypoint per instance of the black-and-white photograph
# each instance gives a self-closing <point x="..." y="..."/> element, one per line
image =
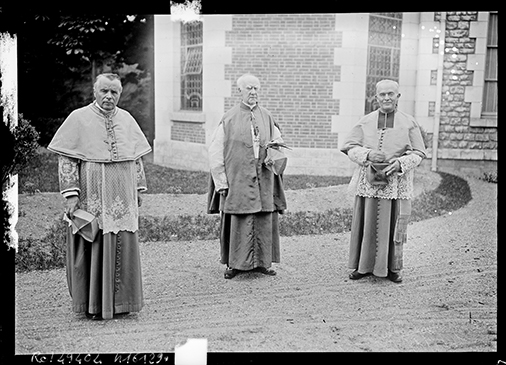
<point x="266" y="182"/>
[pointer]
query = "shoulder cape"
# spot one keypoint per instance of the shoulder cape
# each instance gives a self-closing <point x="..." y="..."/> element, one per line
<point x="87" y="134"/>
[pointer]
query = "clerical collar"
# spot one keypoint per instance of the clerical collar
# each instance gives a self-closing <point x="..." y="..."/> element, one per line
<point x="251" y="107"/>
<point x="386" y="120"/>
<point x="107" y="113"/>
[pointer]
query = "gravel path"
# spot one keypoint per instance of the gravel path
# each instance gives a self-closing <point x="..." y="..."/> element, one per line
<point x="447" y="301"/>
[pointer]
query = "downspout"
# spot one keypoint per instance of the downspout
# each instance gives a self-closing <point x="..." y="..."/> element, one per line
<point x="439" y="88"/>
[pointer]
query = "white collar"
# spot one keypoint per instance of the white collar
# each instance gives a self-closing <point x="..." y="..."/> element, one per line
<point x="249" y="106"/>
<point x="106" y="112"/>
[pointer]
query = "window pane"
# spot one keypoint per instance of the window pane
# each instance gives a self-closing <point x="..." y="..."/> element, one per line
<point x="385" y="34"/>
<point x="493" y="29"/>
<point x="491" y="65"/>
<point x="490" y="97"/>
<point x="191" y="66"/>
<point x="490" y="89"/>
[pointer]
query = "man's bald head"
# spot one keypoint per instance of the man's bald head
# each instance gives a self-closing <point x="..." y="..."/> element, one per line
<point x="387" y="95"/>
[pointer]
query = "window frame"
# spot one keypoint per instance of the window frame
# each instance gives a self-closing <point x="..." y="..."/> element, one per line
<point x="492" y="44"/>
<point x="191" y="84"/>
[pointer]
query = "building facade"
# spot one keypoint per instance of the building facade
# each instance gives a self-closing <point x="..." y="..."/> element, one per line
<point x="317" y="74"/>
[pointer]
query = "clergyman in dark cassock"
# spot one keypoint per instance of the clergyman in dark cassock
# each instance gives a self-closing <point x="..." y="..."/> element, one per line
<point x="246" y="185"/>
<point x="387" y="145"/>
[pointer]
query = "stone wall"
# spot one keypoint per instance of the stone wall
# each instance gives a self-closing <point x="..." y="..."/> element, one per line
<point x="459" y="137"/>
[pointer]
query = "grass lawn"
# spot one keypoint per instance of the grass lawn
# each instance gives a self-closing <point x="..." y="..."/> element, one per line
<point x="42" y="175"/>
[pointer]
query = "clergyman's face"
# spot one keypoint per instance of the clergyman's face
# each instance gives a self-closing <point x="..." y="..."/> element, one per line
<point x="107" y="92"/>
<point x="249" y="90"/>
<point x="387" y="96"/>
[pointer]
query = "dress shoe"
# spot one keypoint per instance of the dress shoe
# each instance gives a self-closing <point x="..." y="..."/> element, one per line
<point x="230" y="273"/>
<point x="355" y="275"/>
<point x="266" y="271"/>
<point x="94" y="317"/>
<point x="395" y="276"/>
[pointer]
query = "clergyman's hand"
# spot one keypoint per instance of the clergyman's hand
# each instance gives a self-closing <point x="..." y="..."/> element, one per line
<point x="71" y="205"/>
<point x="376" y="156"/>
<point x="395" y="166"/>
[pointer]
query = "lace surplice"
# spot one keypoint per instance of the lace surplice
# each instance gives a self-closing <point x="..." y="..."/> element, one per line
<point x="400" y="185"/>
<point x="107" y="190"/>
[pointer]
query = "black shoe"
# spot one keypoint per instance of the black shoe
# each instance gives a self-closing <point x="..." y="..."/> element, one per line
<point x="355" y="275"/>
<point x="122" y="314"/>
<point x="94" y="317"/>
<point x="266" y="271"/>
<point x="395" y="277"/>
<point x="230" y="273"/>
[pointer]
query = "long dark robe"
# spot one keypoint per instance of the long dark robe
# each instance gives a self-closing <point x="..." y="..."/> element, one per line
<point x="378" y="234"/>
<point x="104" y="276"/>
<point x="249" y="234"/>
<point x="247" y="241"/>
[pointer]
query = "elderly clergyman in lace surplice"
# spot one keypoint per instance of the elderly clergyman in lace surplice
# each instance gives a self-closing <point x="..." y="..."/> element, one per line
<point x="100" y="171"/>
<point x="387" y="145"/>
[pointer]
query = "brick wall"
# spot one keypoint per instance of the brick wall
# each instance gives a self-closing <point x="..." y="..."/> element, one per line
<point x="456" y="131"/>
<point x="293" y="56"/>
<point x="188" y="132"/>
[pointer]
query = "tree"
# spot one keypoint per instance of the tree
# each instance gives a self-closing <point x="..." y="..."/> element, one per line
<point x="98" y="40"/>
<point x="61" y="54"/>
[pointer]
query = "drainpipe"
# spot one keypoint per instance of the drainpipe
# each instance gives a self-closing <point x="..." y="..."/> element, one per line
<point x="439" y="88"/>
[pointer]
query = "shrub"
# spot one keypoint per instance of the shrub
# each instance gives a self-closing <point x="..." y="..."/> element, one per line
<point x="43" y="254"/>
<point x="490" y="177"/>
<point x="41" y="174"/>
<point x="310" y="223"/>
<point x="180" y="228"/>
<point x="47" y="127"/>
<point x="452" y="193"/>
<point x="19" y="145"/>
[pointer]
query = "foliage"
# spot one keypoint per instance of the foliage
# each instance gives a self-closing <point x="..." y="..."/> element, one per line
<point x="311" y="223"/>
<point x="490" y="177"/>
<point x="43" y="254"/>
<point x="60" y="54"/>
<point x="41" y="174"/>
<point x="180" y="228"/>
<point x="19" y="145"/>
<point x="95" y="39"/>
<point x="452" y="193"/>
<point x="47" y="127"/>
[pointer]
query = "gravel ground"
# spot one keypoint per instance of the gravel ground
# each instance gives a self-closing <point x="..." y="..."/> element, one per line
<point x="447" y="301"/>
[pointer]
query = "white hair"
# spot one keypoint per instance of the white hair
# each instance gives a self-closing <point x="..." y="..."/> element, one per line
<point x="109" y="76"/>
<point x="240" y="80"/>
<point x="386" y="81"/>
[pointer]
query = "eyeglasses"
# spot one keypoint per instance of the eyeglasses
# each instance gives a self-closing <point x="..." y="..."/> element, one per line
<point x="384" y="95"/>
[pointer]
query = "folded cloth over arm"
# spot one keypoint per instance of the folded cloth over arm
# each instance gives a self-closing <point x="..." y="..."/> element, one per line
<point x="276" y="159"/>
<point x="83" y="223"/>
